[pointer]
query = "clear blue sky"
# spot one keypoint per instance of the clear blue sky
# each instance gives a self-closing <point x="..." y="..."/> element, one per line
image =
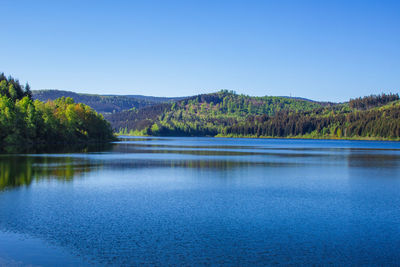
<point x="324" y="50"/>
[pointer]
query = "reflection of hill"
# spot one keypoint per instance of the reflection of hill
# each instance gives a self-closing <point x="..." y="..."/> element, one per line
<point x="213" y="164"/>
<point x="126" y="148"/>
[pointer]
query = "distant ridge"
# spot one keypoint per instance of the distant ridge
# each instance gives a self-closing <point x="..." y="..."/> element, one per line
<point x="111" y="103"/>
<point x="104" y="103"/>
<point x="156" y="99"/>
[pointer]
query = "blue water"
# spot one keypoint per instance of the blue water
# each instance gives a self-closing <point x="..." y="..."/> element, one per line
<point x="203" y="201"/>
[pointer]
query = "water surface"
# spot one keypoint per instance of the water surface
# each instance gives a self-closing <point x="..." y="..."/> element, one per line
<point x="203" y="201"/>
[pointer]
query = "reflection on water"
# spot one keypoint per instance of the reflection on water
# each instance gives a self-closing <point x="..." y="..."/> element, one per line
<point x="205" y="201"/>
<point x="22" y="170"/>
<point x="66" y="162"/>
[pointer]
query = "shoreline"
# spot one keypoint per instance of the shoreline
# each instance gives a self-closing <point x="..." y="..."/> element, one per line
<point x="276" y="137"/>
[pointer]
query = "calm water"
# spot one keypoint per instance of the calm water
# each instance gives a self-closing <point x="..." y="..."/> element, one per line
<point x="202" y="201"/>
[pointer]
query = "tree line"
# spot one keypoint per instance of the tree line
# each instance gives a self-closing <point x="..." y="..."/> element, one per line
<point x="375" y="123"/>
<point x="25" y="121"/>
<point x="372" y="101"/>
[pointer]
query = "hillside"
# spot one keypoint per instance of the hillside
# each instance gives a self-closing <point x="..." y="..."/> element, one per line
<point x="203" y="115"/>
<point x="228" y="114"/>
<point x="354" y="121"/>
<point x="103" y="103"/>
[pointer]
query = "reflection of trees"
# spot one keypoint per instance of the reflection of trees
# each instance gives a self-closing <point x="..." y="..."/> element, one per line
<point x="57" y="148"/>
<point x="373" y="158"/>
<point x="215" y="151"/>
<point x="213" y="164"/>
<point x="18" y="171"/>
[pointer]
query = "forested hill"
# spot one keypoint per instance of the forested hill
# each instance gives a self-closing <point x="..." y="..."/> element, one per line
<point x="203" y="115"/>
<point x="103" y="103"/>
<point x="25" y="121"/>
<point x="372" y="117"/>
<point x="228" y="114"/>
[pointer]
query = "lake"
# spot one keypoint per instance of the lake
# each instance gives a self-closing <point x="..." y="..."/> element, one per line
<point x="202" y="201"/>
